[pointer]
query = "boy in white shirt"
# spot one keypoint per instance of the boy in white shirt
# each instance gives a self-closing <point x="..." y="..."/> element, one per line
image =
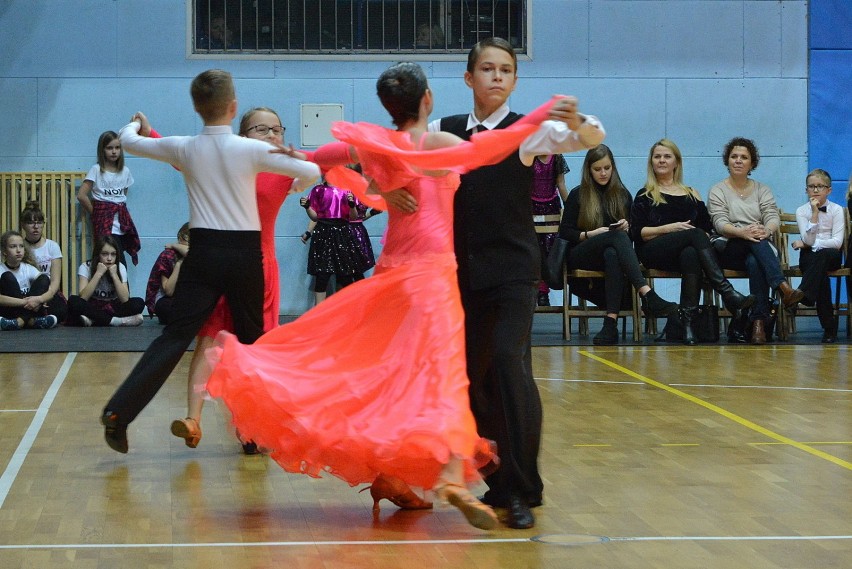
<point x="219" y="169"/>
<point x="821" y="227"/>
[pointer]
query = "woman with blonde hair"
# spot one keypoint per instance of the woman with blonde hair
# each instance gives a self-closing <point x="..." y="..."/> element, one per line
<point x="670" y="225"/>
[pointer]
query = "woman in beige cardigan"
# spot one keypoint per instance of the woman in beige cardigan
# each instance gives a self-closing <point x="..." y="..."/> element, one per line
<point x="745" y="215"/>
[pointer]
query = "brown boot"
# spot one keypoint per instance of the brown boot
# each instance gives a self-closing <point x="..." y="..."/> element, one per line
<point x="758" y="332"/>
<point x="790" y="296"/>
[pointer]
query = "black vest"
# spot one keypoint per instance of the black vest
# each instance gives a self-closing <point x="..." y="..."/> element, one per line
<point x="495" y="239"/>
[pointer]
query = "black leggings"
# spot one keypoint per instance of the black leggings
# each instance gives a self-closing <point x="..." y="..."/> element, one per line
<point x="613" y="253"/>
<point x="9" y="287"/>
<point x="321" y="281"/>
<point x="678" y="252"/>
<point x="78" y="306"/>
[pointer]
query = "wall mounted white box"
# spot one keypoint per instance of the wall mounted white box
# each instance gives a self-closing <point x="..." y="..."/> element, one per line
<point x="316" y="123"/>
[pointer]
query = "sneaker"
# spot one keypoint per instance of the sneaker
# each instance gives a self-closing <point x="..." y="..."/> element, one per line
<point x="45" y="322"/>
<point x="543" y="299"/>
<point x="8" y="324"/>
<point x="135" y="320"/>
<point x="87" y="322"/>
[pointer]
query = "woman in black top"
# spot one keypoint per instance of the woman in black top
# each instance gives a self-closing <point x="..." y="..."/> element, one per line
<point x="595" y="224"/>
<point x="670" y="225"/>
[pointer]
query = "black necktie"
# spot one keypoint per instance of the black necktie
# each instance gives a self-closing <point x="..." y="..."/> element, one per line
<point x="823" y="209"/>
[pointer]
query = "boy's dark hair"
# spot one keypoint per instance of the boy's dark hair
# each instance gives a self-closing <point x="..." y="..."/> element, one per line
<point x="499" y="43"/>
<point x="401" y="88"/>
<point x="212" y="91"/>
<point x="104" y="139"/>
<point x="31" y="212"/>
<point x="746" y="143"/>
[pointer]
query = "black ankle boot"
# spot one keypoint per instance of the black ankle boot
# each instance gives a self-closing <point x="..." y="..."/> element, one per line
<point x="688" y="315"/>
<point x="655" y="307"/>
<point x="733" y="300"/>
<point x="608" y="334"/>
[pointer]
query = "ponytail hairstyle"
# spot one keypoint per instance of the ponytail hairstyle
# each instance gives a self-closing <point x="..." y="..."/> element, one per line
<point x="31" y="212"/>
<point x="592" y="204"/>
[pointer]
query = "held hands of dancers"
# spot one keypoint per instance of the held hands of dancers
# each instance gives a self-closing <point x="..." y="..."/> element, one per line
<point x="564" y="110"/>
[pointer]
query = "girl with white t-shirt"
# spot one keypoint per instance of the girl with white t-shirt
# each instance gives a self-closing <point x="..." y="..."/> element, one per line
<point x="48" y="258"/>
<point x="108" y="182"/>
<point x="104" y="298"/>
<point x="21" y="287"/>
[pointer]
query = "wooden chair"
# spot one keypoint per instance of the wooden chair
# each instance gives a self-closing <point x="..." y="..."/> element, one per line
<point x="548" y="224"/>
<point x="582" y="311"/>
<point x="790" y="227"/>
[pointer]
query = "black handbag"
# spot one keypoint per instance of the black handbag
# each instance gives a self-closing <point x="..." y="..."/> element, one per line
<point x="553" y="264"/>
<point x="705" y="326"/>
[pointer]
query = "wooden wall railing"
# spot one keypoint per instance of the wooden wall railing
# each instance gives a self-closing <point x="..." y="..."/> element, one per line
<point x="65" y="221"/>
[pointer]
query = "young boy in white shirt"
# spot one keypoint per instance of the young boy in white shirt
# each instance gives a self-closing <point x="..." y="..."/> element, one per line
<point x="821" y="227"/>
<point x="219" y="169"/>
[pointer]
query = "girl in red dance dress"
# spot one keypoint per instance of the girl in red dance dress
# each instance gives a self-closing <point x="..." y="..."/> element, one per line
<point x="372" y="382"/>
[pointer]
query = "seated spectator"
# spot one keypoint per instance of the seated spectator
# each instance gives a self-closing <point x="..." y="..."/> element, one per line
<point x="104" y="298"/>
<point x="670" y="226"/>
<point x="48" y="257"/>
<point x="595" y="225"/>
<point x="821" y="225"/>
<point x="22" y="287"/>
<point x="744" y="214"/>
<point x="159" y="294"/>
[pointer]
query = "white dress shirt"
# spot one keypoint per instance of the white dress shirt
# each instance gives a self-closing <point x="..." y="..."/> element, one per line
<point x="827" y="232"/>
<point x="219" y="169"/>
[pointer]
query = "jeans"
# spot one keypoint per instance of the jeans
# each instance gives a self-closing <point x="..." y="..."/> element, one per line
<point x="761" y="263"/>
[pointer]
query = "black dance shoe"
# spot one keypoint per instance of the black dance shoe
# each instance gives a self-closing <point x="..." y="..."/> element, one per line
<point x="519" y="515"/>
<point x="115" y="433"/>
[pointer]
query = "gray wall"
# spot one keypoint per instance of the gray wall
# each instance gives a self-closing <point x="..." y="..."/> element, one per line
<point x="698" y="72"/>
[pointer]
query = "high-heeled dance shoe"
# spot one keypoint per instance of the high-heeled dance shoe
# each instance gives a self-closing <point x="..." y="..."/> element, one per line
<point x="478" y="515"/>
<point x="188" y="429"/>
<point x="397" y="492"/>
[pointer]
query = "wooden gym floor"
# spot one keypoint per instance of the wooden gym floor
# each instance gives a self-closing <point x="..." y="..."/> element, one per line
<point x="653" y="456"/>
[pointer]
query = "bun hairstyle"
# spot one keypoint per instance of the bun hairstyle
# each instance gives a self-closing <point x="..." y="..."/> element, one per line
<point x="31" y="212"/>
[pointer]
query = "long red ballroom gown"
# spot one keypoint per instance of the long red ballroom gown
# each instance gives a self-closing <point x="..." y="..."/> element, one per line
<point x="372" y="380"/>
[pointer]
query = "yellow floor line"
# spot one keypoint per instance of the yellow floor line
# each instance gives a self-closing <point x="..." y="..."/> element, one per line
<point x="716" y="409"/>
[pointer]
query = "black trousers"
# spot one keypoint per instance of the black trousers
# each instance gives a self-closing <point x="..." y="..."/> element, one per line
<point x="228" y="263"/>
<point x="678" y="252"/>
<point x="503" y="395"/>
<point x="9" y="287"/>
<point x="78" y="306"/>
<point x="613" y="253"/>
<point x="815" y="284"/>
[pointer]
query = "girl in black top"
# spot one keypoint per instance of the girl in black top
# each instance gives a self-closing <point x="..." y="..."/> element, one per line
<point x="595" y="224"/>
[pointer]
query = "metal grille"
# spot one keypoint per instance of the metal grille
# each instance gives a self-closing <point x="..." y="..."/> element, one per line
<point x="352" y="27"/>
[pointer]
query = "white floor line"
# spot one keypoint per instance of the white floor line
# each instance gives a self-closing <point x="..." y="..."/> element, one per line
<point x="17" y="460"/>
<point x="735" y="538"/>
<point x="18" y="410"/>
<point x="788" y="387"/>
<point x="261" y="544"/>
<point x="547" y="539"/>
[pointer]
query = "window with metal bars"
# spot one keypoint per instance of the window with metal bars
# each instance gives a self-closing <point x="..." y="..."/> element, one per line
<point x="357" y="29"/>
